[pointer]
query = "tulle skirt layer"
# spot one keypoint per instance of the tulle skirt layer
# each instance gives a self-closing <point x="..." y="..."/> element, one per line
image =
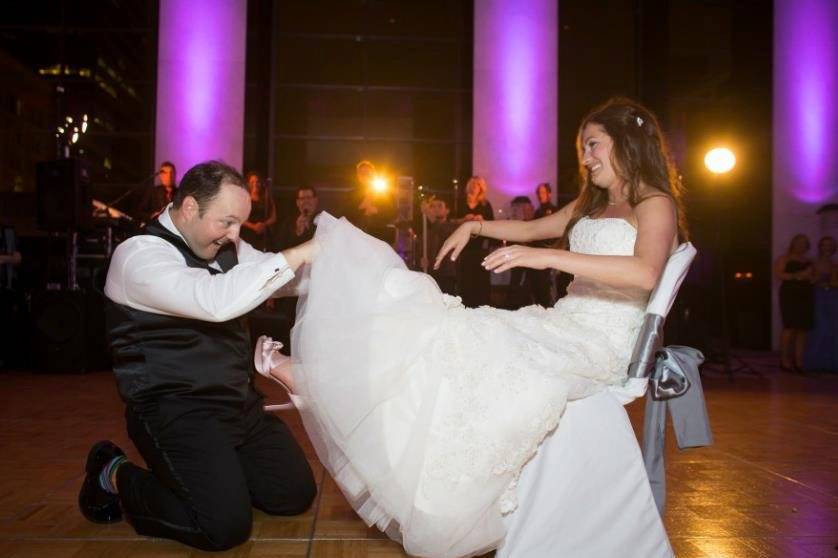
<point x="423" y="411"/>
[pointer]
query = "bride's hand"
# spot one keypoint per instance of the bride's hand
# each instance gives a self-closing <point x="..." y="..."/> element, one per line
<point x="455" y="243"/>
<point x="520" y="256"/>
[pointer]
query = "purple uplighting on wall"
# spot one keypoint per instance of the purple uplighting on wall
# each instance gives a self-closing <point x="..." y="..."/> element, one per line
<point x="200" y="81"/>
<point x="805" y="96"/>
<point x="805" y="173"/>
<point x="515" y="95"/>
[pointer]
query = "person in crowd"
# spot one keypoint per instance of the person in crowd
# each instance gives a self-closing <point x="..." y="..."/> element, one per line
<point x="544" y="193"/>
<point x="293" y="231"/>
<point x="473" y="280"/>
<point x="374" y="205"/>
<point x="181" y="357"/>
<point x="822" y="342"/>
<point x="521" y="279"/>
<point x="439" y="228"/>
<point x="544" y="281"/>
<point x="159" y="195"/>
<point x="425" y="411"/>
<point x="300" y="227"/>
<point x="257" y="230"/>
<point x="796" y="273"/>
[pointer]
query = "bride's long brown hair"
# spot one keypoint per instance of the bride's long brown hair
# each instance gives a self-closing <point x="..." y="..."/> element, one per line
<point x="639" y="154"/>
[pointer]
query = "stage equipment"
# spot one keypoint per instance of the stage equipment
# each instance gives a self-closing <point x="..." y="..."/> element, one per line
<point x="63" y="195"/>
<point x="720" y="161"/>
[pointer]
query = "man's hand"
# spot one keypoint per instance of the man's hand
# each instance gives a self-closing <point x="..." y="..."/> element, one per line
<point x="302" y="225"/>
<point x="304" y="253"/>
<point x="368" y="207"/>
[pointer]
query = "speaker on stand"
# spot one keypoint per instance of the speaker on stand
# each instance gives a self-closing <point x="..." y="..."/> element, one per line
<point x="67" y="329"/>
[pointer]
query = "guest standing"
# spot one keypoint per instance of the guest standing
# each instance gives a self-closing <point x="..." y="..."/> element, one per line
<point x="796" y="272"/>
<point x="159" y="195"/>
<point x="822" y="341"/>
<point x="257" y="229"/>
<point x="543" y="281"/>
<point x="439" y="228"/>
<point x="373" y="206"/>
<point x="472" y="277"/>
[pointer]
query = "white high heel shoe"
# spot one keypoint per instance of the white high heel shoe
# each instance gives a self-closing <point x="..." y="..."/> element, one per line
<point x="266" y="357"/>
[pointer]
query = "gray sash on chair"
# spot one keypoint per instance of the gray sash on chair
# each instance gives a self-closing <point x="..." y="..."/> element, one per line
<point x="675" y="385"/>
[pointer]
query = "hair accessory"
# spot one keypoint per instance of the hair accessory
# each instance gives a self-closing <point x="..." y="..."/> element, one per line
<point x="639" y="121"/>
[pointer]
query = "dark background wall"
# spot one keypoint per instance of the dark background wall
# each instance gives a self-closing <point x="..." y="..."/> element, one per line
<point x="330" y="82"/>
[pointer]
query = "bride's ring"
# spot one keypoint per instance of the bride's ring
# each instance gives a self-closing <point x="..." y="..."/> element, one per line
<point x="507" y="257"/>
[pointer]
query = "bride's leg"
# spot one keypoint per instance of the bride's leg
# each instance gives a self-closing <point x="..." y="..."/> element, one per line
<point x="283" y="374"/>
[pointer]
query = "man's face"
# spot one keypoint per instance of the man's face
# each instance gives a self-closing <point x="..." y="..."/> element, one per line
<point x="220" y="223"/>
<point x="543" y="195"/>
<point x="254" y="186"/>
<point x="306" y="202"/>
<point x="167" y="176"/>
<point x="522" y="211"/>
<point x="438" y="211"/>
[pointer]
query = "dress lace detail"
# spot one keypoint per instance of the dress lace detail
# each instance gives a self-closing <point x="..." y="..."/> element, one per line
<point x="425" y="411"/>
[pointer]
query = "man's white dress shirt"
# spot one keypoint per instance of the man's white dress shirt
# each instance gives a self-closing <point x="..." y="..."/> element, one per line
<point x="149" y="273"/>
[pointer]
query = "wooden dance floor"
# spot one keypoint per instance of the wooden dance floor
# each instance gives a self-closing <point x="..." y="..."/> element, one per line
<point x="768" y="488"/>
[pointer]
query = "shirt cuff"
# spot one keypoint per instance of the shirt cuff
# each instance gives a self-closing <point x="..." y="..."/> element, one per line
<point x="282" y="273"/>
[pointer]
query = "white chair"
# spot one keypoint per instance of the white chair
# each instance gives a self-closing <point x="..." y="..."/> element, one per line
<point x="586" y="493"/>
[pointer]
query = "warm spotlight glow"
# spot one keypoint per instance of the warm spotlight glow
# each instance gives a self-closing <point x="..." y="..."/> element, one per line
<point x="719" y="160"/>
<point x="379" y="184"/>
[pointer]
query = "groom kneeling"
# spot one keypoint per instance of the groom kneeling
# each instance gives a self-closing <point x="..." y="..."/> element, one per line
<point x="181" y="353"/>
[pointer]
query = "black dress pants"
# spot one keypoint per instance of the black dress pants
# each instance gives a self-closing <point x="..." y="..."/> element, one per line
<point x="209" y="465"/>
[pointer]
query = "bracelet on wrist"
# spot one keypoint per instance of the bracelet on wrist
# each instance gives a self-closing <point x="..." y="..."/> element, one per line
<point x="480" y="230"/>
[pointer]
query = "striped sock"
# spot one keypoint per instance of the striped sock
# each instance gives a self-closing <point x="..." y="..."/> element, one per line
<point x="107" y="473"/>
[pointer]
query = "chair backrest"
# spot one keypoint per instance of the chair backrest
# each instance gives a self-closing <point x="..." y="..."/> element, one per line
<point x="650" y="338"/>
<point x="661" y="299"/>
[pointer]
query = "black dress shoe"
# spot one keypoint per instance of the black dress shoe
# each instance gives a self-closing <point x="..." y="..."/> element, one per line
<point x="97" y="504"/>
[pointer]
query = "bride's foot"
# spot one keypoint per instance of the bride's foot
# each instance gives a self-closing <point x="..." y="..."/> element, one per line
<point x="270" y="363"/>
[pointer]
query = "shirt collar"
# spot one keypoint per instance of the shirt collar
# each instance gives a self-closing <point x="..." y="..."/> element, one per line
<point x="166" y="220"/>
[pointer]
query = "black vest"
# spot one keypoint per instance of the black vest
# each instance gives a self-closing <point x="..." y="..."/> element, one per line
<point x="157" y="356"/>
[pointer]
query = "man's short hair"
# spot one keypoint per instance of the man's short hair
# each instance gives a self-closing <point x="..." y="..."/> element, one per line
<point x="521" y="199"/>
<point x="301" y="189"/>
<point x="544" y="185"/>
<point x="203" y="182"/>
<point x="169" y="164"/>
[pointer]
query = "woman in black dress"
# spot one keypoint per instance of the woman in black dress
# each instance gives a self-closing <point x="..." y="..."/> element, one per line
<point x="472" y="278"/>
<point x="257" y="230"/>
<point x="796" y="272"/>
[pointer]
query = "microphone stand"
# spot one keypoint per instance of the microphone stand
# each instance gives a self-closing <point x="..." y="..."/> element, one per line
<point x="125" y="194"/>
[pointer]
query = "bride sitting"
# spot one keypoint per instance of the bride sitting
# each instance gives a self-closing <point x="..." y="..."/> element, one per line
<point x="424" y="411"/>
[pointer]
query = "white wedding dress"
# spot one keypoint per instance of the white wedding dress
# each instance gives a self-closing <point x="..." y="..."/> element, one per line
<point x="423" y="411"/>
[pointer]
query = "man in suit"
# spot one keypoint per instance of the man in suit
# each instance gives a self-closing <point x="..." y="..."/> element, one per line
<point x="182" y="360"/>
